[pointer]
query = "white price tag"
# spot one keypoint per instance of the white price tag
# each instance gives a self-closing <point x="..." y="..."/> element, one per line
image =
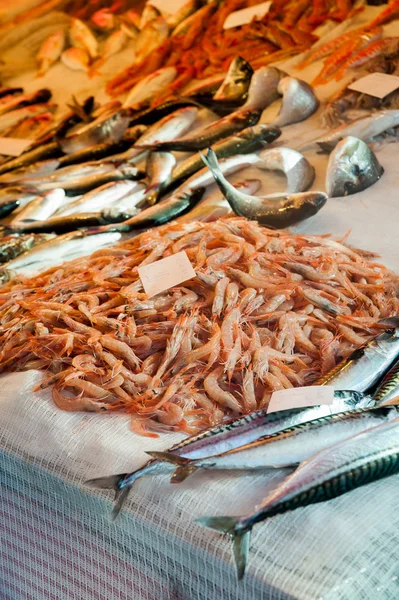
<point x="166" y="273"/>
<point x="378" y="85"/>
<point x="13" y="146"/>
<point x="168" y="7"/>
<point x="300" y="397"/>
<point x="245" y="15"/>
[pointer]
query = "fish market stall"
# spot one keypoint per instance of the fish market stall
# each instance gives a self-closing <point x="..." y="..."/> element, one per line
<point x="199" y="301"/>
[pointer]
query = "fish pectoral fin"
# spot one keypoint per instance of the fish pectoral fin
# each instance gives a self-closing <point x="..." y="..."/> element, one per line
<point x="182" y="473"/>
<point x="185" y="466"/>
<point x="241" y="538"/>
<point x="169" y="457"/>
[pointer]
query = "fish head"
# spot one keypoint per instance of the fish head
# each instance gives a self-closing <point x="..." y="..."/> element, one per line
<point x="352" y="167"/>
<point x="267" y="133"/>
<point x="309" y="203"/>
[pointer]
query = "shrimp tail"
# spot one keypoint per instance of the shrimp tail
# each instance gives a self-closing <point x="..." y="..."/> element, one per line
<point x="241" y="538"/>
<point x="113" y="482"/>
<point x="185" y="466"/>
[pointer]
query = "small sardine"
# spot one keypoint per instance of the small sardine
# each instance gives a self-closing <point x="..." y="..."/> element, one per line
<point x="40" y="208"/>
<point x="104" y="150"/>
<point x="149" y="87"/>
<point x="50" y="51"/>
<point x="236" y="82"/>
<point x="388" y="388"/>
<point x="212" y="133"/>
<point x="298" y="170"/>
<point x="30" y="157"/>
<point x="365" y="366"/>
<point x="352" y="168"/>
<point x="288" y="447"/>
<point x="100" y="197"/>
<point x="227" y="436"/>
<point x="274" y="210"/>
<point x="76" y="59"/>
<point x="105" y="129"/>
<point x="159" y="171"/>
<point x="162" y="212"/>
<point x="82" y="37"/>
<point x="81" y="185"/>
<point x="150" y="116"/>
<point x="247" y="141"/>
<point x="171" y="126"/>
<point x="365" y="129"/>
<point x="299" y="101"/>
<point x="215" y="206"/>
<point x="263" y="89"/>
<point x="361" y="459"/>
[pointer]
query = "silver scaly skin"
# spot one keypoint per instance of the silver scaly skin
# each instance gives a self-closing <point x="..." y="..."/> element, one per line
<point x="228" y="436"/>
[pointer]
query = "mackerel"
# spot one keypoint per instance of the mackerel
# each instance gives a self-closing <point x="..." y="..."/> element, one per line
<point x="227" y="436"/>
<point x="359" y="460"/>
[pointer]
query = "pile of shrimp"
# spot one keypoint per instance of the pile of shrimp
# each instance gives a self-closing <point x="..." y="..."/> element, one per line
<point x="266" y="311"/>
<point x="204" y="48"/>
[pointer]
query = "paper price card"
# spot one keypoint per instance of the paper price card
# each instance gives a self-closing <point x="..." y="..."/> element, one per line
<point x="166" y="273"/>
<point x="13" y="146"/>
<point x="378" y="85"/>
<point x="301" y="397"/>
<point x="244" y="16"/>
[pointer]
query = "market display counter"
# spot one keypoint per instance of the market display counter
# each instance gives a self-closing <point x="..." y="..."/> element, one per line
<point x="57" y="540"/>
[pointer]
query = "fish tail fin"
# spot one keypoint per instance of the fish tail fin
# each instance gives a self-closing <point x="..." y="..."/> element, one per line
<point x="185" y="466"/>
<point x="210" y="159"/>
<point x="113" y="482"/>
<point x="241" y="538"/>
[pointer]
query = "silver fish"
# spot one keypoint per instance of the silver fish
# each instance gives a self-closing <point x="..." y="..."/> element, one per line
<point x="162" y="212"/>
<point x="40" y="168"/>
<point x="365" y="128"/>
<point x="365" y="366"/>
<point x="247" y="141"/>
<point x="215" y="206"/>
<point x="86" y="183"/>
<point x="237" y="81"/>
<point x="288" y="447"/>
<point x="159" y="171"/>
<point x="228" y="436"/>
<point x="168" y="128"/>
<point x="361" y="459"/>
<point x="101" y="197"/>
<point x="208" y="135"/>
<point x="106" y="128"/>
<point x="299" y="101"/>
<point x="45" y="151"/>
<point x="298" y="170"/>
<point x="352" y="168"/>
<point x="274" y="210"/>
<point x="40" y="208"/>
<point x="263" y="89"/>
<point x="62" y="247"/>
<point x="72" y="172"/>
